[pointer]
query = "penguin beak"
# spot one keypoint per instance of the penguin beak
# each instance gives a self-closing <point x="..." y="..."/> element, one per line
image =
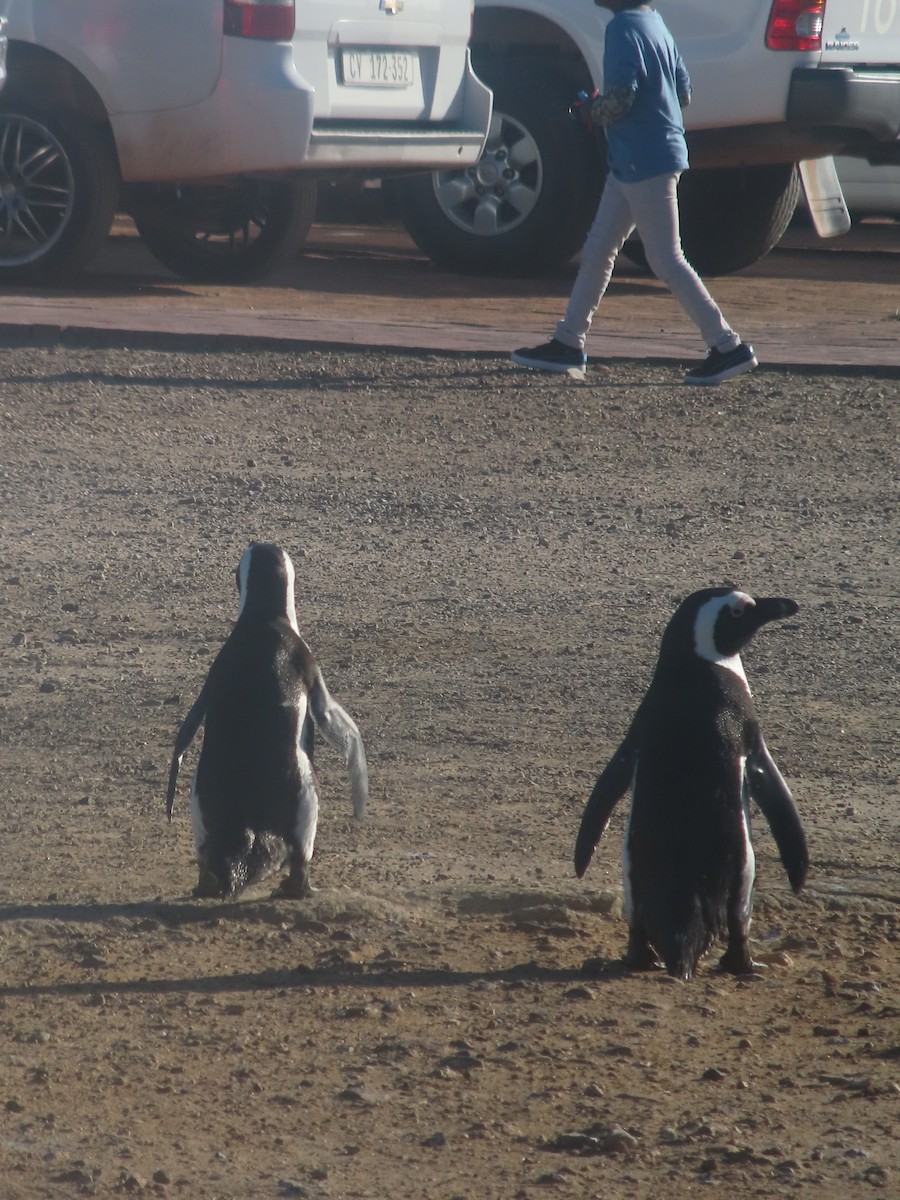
<point x="770" y="608"/>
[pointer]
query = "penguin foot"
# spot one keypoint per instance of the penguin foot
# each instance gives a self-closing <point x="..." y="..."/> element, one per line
<point x="295" y="887"/>
<point x="208" y="886"/>
<point x="640" y="955"/>
<point x="737" y="961"/>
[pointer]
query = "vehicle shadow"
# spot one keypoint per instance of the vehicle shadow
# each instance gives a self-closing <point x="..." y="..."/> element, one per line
<point x="379" y="261"/>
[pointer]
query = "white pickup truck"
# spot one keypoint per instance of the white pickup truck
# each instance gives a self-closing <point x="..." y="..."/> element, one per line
<point x="209" y="121"/>
<point x="776" y="82"/>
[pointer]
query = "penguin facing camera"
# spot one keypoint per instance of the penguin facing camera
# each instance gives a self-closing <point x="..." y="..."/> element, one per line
<point x="693" y="757"/>
<point x="254" y="805"/>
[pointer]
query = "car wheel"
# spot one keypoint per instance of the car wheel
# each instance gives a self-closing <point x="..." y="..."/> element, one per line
<point x="229" y="233"/>
<point x="59" y="186"/>
<point x="731" y="218"/>
<point x="527" y="204"/>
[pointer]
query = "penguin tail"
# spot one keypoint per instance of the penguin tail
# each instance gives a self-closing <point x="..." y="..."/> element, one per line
<point x="682" y="943"/>
<point x="261" y="856"/>
<point x="681" y="958"/>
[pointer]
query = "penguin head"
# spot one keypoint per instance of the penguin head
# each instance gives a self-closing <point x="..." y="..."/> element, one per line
<point x="265" y="582"/>
<point x="716" y="623"/>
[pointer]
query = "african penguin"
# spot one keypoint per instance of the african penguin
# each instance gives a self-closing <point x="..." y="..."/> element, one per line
<point x="254" y="805"/>
<point x="693" y="757"/>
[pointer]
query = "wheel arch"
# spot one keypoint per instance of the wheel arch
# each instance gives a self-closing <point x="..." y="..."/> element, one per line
<point x="33" y="73"/>
<point x="501" y="34"/>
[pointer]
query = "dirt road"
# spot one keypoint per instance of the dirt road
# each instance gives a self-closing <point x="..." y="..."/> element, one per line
<point x="485" y="563"/>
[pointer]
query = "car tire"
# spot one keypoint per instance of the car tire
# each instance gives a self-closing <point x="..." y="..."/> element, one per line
<point x="731" y="218"/>
<point x="230" y="233"/>
<point x="526" y="206"/>
<point x="59" y="187"/>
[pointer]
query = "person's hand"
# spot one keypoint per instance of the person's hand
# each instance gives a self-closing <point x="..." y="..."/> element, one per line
<point x="580" y="112"/>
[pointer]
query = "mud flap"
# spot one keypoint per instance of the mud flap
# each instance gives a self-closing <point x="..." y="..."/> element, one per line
<point x="824" y="197"/>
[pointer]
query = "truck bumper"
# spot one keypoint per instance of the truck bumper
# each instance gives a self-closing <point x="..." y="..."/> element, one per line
<point x="340" y="144"/>
<point x="866" y="100"/>
<point x="262" y="123"/>
<point x="257" y="120"/>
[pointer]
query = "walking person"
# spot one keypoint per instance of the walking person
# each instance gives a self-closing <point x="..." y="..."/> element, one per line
<point x="646" y="86"/>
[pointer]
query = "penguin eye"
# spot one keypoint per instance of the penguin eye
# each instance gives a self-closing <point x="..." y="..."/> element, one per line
<point x="738" y="603"/>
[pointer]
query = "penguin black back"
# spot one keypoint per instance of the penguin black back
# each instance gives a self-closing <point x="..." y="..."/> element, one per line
<point x="254" y="802"/>
<point x="693" y="757"/>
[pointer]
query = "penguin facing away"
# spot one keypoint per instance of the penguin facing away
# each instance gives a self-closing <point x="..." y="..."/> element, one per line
<point x="254" y="804"/>
<point x="693" y="757"/>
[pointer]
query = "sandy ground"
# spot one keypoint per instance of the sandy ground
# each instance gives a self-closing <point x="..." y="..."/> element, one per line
<point x="485" y="562"/>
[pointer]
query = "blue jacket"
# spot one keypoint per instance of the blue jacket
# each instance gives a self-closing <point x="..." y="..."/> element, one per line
<point x="640" y="57"/>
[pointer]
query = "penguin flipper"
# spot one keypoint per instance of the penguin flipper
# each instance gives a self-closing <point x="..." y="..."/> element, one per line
<point x="768" y="788"/>
<point x="186" y="735"/>
<point x="339" y="730"/>
<point x="611" y="786"/>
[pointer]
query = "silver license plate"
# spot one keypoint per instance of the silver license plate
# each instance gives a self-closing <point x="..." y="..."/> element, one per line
<point x="378" y="68"/>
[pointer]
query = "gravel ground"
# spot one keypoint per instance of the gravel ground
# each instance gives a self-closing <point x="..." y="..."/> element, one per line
<point x="485" y="562"/>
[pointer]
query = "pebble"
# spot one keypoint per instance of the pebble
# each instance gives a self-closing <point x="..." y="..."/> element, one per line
<point x="355" y="1096"/>
<point x="612" y="1139"/>
<point x="358" y="1011"/>
<point x="580" y="992"/>
<point x="76" y="1176"/>
<point x="573" y="1141"/>
<point x="132" y="1183"/>
<point x="878" y="1177"/>
<point x="713" y="1074"/>
<point x="460" y="1063"/>
<point x="618" y="1141"/>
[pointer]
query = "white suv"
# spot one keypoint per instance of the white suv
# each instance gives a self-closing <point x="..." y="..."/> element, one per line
<point x="210" y="120"/>
<point x="775" y="82"/>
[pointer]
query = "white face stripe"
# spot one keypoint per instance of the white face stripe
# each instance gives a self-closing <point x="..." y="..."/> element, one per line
<point x="289" y="605"/>
<point x="243" y="572"/>
<point x="704" y="632"/>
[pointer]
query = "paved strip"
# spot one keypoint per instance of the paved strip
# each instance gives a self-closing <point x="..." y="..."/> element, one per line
<point x="835" y="343"/>
<point x="367" y="287"/>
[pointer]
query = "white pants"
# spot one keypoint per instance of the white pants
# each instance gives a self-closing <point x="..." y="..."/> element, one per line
<point x="651" y="207"/>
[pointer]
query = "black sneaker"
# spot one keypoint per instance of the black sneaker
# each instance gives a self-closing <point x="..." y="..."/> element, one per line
<point x="721" y="365"/>
<point x="553" y="356"/>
